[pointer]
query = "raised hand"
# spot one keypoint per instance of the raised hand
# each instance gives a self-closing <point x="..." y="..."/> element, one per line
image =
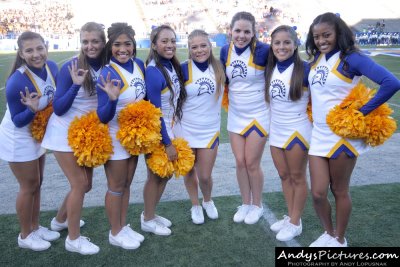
<point x="31" y="100"/>
<point x="111" y="87"/>
<point x="77" y="75"/>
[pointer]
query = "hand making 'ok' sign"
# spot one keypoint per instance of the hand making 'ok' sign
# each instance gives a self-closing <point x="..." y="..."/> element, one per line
<point x="111" y="87"/>
<point x="77" y="75"/>
<point x="31" y="100"/>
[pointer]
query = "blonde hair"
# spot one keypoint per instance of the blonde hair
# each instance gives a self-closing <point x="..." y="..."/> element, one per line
<point x="216" y="64"/>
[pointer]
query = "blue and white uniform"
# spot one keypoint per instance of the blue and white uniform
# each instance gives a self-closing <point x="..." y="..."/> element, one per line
<point x="201" y="121"/>
<point x="17" y="143"/>
<point x="133" y="89"/>
<point x="70" y="101"/>
<point x="159" y="95"/>
<point x="289" y="120"/>
<point x="330" y="84"/>
<point x="248" y="111"/>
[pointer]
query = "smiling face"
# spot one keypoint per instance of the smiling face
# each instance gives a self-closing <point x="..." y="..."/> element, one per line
<point x="34" y="52"/>
<point x="91" y="43"/>
<point x="324" y="35"/>
<point x="242" y="33"/>
<point x="283" y="45"/>
<point x="199" y="48"/>
<point x="165" y="45"/>
<point x="122" y="48"/>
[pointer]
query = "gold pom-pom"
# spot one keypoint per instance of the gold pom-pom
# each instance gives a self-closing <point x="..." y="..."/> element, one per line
<point x="139" y="127"/>
<point x="380" y="126"/>
<point x="39" y="123"/>
<point x="225" y="98"/>
<point x="357" y="97"/>
<point x="159" y="164"/>
<point x="309" y="111"/>
<point x="90" y="140"/>
<point x="185" y="161"/>
<point x="347" y="121"/>
<point x="344" y="119"/>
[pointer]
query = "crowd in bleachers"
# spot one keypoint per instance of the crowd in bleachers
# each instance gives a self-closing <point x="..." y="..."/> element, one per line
<point x="53" y="18"/>
<point x="378" y="38"/>
<point x="49" y="18"/>
<point x="211" y="15"/>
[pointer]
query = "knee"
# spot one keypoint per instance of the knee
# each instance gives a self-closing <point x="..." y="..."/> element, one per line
<point x="284" y="175"/>
<point x="252" y="167"/>
<point x="117" y="186"/>
<point x="30" y="188"/>
<point x="340" y="193"/>
<point x="204" y="179"/>
<point x="318" y="197"/>
<point x="241" y="163"/>
<point x="298" y="178"/>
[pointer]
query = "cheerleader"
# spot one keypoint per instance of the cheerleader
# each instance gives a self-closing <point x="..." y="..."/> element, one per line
<point x="29" y="90"/>
<point x="121" y="82"/>
<point x="337" y="66"/>
<point x="288" y="95"/>
<point x="75" y="97"/>
<point x="204" y="79"/>
<point x="245" y="59"/>
<point x="164" y="83"/>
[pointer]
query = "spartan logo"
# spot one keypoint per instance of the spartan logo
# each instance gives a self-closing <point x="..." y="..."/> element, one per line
<point x="277" y="89"/>
<point x="49" y="92"/>
<point x="321" y="73"/>
<point x="139" y="86"/>
<point x="175" y="81"/>
<point x="239" y="69"/>
<point x="206" y="86"/>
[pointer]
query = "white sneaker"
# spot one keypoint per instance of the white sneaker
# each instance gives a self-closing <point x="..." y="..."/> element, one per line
<point x="163" y="220"/>
<point x="160" y="219"/>
<point x="210" y="209"/>
<point x="334" y="242"/>
<point x="277" y="226"/>
<point x="197" y="214"/>
<point x="34" y="242"/>
<point x="82" y="245"/>
<point x="132" y="233"/>
<point x="57" y="226"/>
<point x="241" y="213"/>
<point x="322" y="240"/>
<point x="46" y="234"/>
<point x="155" y="227"/>
<point x="254" y="214"/>
<point x="289" y="231"/>
<point x="123" y="240"/>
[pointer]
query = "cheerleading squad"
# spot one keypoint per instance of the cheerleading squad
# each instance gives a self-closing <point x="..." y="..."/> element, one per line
<point x="110" y="107"/>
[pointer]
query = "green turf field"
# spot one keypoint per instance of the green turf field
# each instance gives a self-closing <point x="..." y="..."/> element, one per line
<point x="6" y="60"/>
<point x="375" y="222"/>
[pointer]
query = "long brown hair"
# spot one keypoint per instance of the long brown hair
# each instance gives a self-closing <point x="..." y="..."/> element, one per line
<point x="296" y="80"/>
<point x="83" y="63"/>
<point x="153" y="55"/>
<point x="219" y="72"/>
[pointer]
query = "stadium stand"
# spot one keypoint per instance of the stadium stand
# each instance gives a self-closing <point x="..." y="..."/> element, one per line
<point x="57" y="20"/>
